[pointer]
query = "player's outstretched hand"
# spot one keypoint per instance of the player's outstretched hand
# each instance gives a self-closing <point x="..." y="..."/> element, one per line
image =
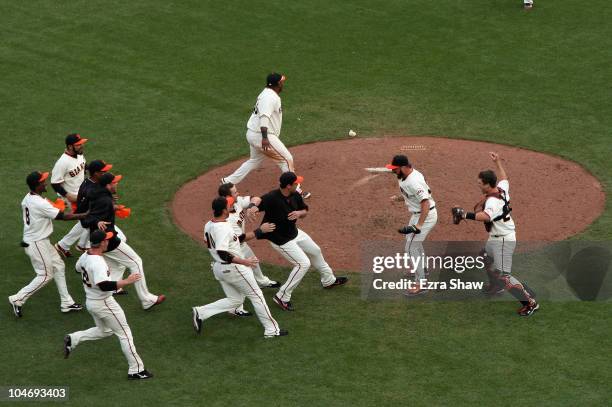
<point x="132" y="278"/>
<point x="102" y="225"/>
<point x="265" y="144"/>
<point x="294" y="215"/>
<point x="494" y="156"/>
<point x="267" y="227"/>
<point x="251" y="261"/>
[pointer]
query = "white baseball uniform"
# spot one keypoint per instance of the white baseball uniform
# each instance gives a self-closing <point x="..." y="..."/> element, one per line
<point x="414" y="189"/>
<point x="267" y="110"/>
<point x="69" y="171"/>
<point x="106" y="312"/>
<point x="38" y="215"/>
<point x="502" y="237"/>
<point x="237" y="280"/>
<point x="238" y="221"/>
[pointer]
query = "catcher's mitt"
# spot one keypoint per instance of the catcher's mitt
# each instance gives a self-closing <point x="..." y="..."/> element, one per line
<point x="458" y="214"/>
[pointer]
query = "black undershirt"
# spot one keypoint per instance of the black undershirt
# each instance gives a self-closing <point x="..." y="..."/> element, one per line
<point x="277" y="207"/>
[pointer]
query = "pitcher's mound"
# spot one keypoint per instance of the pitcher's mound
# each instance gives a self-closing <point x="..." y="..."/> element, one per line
<point x="552" y="198"/>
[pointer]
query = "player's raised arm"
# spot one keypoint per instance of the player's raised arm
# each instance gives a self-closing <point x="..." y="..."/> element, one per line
<point x="500" y="169"/>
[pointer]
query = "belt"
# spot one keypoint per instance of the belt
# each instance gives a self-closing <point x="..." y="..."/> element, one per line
<point x="501" y="235"/>
<point x="416" y="213"/>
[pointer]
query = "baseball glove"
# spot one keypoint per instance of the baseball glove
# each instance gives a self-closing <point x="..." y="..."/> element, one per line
<point x="406" y="230"/>
<point x="458" y="214"/>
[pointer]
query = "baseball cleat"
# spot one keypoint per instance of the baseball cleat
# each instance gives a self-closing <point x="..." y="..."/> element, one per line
<point x="305" y="195"/>
<point x="222" y="181"/>
<point x="67" y="346"/>
<point x="287" y="306"/>
<point x="64" y="253"/>
<point x="160" y="298"/>
<point x="281" y="332"/>
<point x="528" y="309"/>
<point x="16" y="309"/>
<point x="145" y="374"/>
<point x="81" y="249"/>
<point x="527" y="6"/>
<point x="197" y="322"/>
<point x="240" y="313"/>
<point x="339" y="281"/>
<point x="70" y="308"/>
<point x="272" y="284"/>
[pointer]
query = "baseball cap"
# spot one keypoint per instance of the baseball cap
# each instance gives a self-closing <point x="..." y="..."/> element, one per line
<point x="274" y="79"/>
<point x="398" y="161"/>
<point x="98" y="165"/>
<point x="75" y="139"/>
<point x="98" y="236"/>
<point x="288" y="178"/>
<point x="35" y="178"/>
<point x="109" y="178"/>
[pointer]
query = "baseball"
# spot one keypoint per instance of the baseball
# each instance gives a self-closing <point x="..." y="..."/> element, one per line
<point x="351" y="133"/>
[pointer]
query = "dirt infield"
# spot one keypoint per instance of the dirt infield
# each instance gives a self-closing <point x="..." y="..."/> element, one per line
<point x="552" y="198"/>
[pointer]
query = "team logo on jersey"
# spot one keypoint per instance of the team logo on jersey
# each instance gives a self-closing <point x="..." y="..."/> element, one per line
<point x="73" y="173"/>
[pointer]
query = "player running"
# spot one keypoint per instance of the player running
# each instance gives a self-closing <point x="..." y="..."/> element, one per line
<point x="106" y="312"/>
<point x="494" y="210"/>
<point x="263" y="133"/>
<point x="38" y="214"/>
<point x="233" y="271"/>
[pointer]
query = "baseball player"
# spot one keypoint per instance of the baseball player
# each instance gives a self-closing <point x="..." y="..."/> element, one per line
<point x="263" y="133"/>
<point x="237" y="218"/>
<point x="106" y="312"/>
<point x="66" y="177"/>
<point x="283" y="207"/>
<point x="102" y="216"/>
<point x="38" y="214"/>
<point x="233" y="271"/>
<point x="417" y="195"/>
<point x="494" y="210"/>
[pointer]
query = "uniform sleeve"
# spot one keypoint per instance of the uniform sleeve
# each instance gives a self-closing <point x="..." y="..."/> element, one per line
<point x="243" y="201"/>
<point x="265" y="203"/>
<point x="48" y="210"/>
<point x="493" y="207"/>
<point x="421" y="191"/>
<point x="266" y="105"/>
<point x="58" y="172"/>
<point x="222" y="238"/>
<point x="505" y="185"/>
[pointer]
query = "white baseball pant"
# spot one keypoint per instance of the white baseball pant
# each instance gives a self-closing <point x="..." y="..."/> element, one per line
<point x="414" y="243"/>
<point x="47" y="265"/>
<point x="262" y="280"/>
<point x="277" y="152"/>
<point x="77" y="234"/>
<point x="302" y="252"/>
<point x="238" y="282"/>
<point x="125" y="256"/>
<point x="110" y="319"/>
<point x="501" y="249"/>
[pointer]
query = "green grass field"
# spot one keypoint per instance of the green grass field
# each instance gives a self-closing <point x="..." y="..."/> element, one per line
<point x="164" y="89"/>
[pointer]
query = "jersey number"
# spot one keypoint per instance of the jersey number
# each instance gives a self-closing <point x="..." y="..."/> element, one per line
<point x="209" y="241"/>
<point x="27" y="216"/>
<point x="85" y="277"/>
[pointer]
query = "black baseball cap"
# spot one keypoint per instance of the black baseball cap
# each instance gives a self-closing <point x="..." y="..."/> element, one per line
<point x="98" y="165"/>
<point x="398" y="161"/>
<point x="109" y="178"/>
<point x="75" y="139"/>
<point x="35" y="178"/>
<point x="274" y="79"/>
<point x="289" y="178"/>
<point x="98" y="236"/>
